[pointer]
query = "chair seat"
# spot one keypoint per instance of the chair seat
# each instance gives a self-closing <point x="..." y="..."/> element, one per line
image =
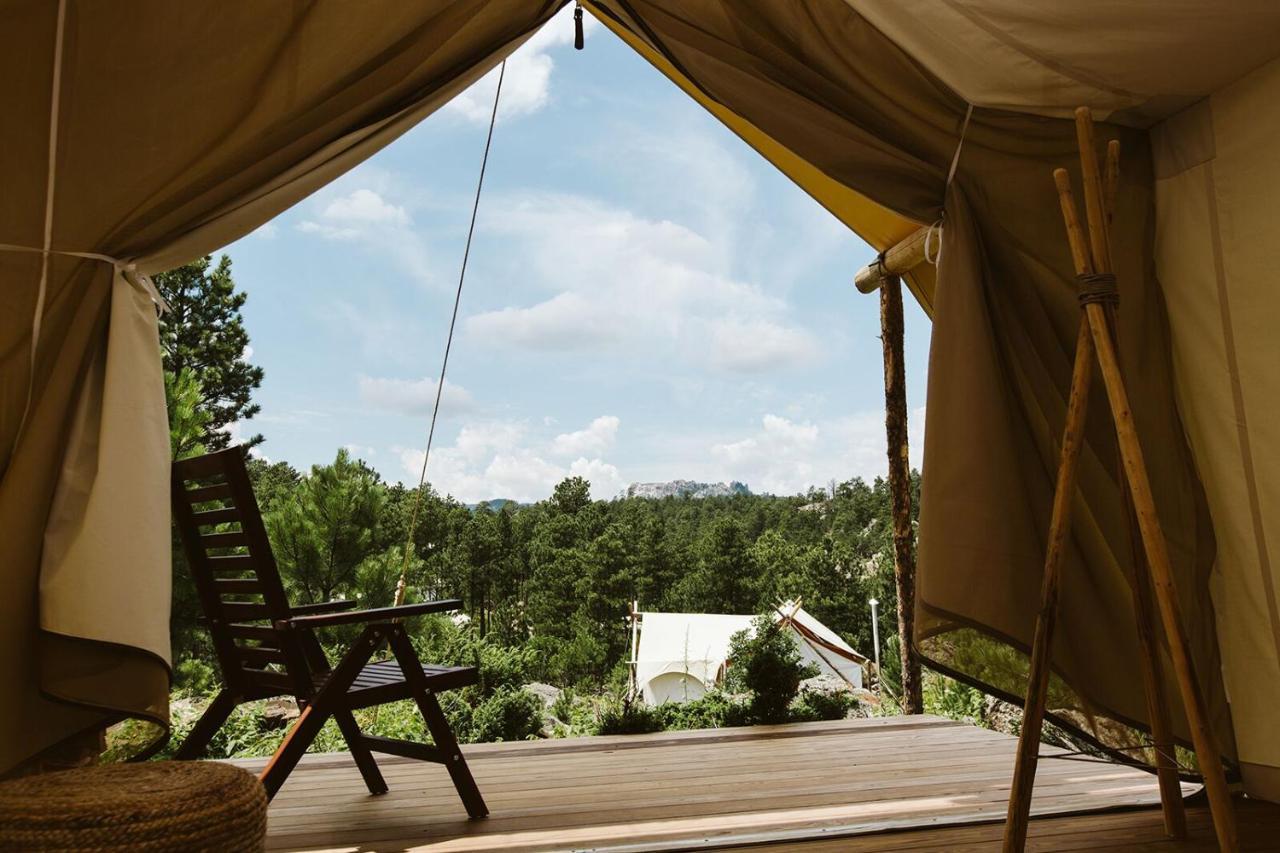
<point x="384" y="681"/>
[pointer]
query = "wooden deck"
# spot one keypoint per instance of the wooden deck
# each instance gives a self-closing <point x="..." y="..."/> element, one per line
<point x="726" y="789"/>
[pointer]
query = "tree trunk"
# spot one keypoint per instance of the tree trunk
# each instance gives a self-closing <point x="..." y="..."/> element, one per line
<point x="895" y="419"/>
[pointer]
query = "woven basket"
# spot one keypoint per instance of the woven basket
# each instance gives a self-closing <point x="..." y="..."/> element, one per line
<point x="157" y="806"/>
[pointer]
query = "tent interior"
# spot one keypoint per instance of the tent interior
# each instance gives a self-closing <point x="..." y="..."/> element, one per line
<point x="140" y="136"/>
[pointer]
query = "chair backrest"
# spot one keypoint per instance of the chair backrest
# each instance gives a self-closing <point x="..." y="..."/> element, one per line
<point x="235" y="575"/>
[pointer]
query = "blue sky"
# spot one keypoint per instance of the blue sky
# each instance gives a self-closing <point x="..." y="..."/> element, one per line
<point x="647" y="299"/>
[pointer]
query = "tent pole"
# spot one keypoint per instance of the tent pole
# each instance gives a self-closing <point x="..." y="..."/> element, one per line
<point x="895" y="420"/>
<point x="1096" y="327"/>
<point x="1163" y="754"/>
<point x="1024" y="770"/>
<point x="898" y="259"/>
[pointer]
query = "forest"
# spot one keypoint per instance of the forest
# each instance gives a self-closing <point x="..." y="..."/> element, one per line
<point x="546" y="588"/>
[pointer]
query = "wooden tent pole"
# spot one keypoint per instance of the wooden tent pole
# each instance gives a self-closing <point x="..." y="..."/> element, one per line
<point x="899" y="258"/>
<point x="895" y="420"/>
<point x="1098" y="327"/>
<point x="1163" y="750"/>
<point x="1210" y="758"/>
<point x="1207" y="751"/>
<point x="1024" y="771"/>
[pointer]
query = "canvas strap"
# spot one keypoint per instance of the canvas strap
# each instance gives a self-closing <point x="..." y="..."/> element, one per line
<point x="127" y="269"/>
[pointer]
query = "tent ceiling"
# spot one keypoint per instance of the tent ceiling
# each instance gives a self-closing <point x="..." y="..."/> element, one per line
<point x="1140" y="62"/>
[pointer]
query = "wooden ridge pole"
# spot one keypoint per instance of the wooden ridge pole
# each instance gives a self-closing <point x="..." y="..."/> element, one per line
<point x="895" y="420"/>
<point x="899" y="259"/>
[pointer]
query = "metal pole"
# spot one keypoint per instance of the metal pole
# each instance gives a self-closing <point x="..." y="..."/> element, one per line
<point x="875" y="636"/>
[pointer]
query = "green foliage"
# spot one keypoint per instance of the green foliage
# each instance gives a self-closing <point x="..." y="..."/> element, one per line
<point x="947" y="697"/>
<point x="766" y="663"/>
<point x="509" y="714"/>
<point x="188" y="420"/>
<point x="329" y="528"/>
<point x="715" y="710"/>
<point x="203" y="335"/>
<point x="814" y="705"/>
<point x="630" y="718"/>
<point x="547" y="588"/>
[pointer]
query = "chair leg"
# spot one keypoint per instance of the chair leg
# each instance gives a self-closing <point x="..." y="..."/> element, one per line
<point x="442" y="735"/>
<point x="363" y="757"/>
<point x="327" y="701"/>
<point x="197" y="741"/>
<point x="437" y="723"/>
<point x="295" y="744"/>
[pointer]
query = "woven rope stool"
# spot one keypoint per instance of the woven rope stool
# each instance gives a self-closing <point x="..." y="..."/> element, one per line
<point x="155" y="806"/>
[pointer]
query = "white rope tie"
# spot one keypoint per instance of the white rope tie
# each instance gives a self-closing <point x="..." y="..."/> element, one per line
<point x="935" y="258"/>
<point x="935" y="228"/>
<point x="127" y="269"/>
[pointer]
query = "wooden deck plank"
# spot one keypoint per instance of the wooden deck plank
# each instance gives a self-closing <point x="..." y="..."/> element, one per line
<point x="710" y="790"/>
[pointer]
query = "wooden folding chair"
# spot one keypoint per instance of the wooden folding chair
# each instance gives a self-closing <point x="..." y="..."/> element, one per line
<point x="268" y="648"/>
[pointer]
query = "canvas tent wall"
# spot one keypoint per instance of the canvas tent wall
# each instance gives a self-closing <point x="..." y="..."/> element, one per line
<point x="152" y="132"/>
<point x="680" y="656"/>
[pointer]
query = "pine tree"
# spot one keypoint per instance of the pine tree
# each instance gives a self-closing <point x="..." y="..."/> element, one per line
<point x="204" y="333"/>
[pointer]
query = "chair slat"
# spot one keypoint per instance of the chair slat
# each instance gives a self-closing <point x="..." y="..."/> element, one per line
<point x="236" y="586"/>
<point x="199" y="467"/>
<point x="253" y="632"/>
<point x="245" y="612"/>
<point x="238" y="539"/>
<point x="231" y="563"/>
<point x="204" y="494"/>
<point x="226" y="515"/>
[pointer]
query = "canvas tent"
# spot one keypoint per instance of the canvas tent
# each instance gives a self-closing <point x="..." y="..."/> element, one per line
<point x="680" y="656"/>
<point x="148" y="133"/>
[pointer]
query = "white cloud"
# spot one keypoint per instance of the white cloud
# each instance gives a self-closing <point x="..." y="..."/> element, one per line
<point x="785" y="456"/>
<point x="605" y="480"/>
<point x="526" y="85"/>
<point x="414" y="396"/>
<point x="753" y="346"/>
<point x="499" y="459"/>
<point x="595" y="439"/>
<point x="266" y="231"/>
<point x="360" y="451"/>
<point x="625" y="281"/>
<point x="365" y="217"/>
<point x="236" y="431"/>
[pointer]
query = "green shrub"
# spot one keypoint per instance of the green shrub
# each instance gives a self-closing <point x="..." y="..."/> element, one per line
<point x="562" y="708"/>
<point x="950" y="698"/>
<point x="194" y="677"/>
<point x="768" y="666"/>
<point x="630" y="718"/>
<point x="715" y="710"/>
<point x="509" y="714"/>
<point x="814" y="705"/>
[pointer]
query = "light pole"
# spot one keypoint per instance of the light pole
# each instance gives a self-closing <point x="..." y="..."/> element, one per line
<point x="875" y="636"/>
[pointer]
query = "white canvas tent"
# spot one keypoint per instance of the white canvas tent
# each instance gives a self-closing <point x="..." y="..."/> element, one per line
<point x="678" y="657"/>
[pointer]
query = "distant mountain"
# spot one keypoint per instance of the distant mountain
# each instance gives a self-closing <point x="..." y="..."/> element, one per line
<point x="496" y="504"/>
<point x="685" y="488"/>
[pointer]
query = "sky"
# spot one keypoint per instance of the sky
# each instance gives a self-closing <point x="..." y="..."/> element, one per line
<point x="647" y="299"/>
